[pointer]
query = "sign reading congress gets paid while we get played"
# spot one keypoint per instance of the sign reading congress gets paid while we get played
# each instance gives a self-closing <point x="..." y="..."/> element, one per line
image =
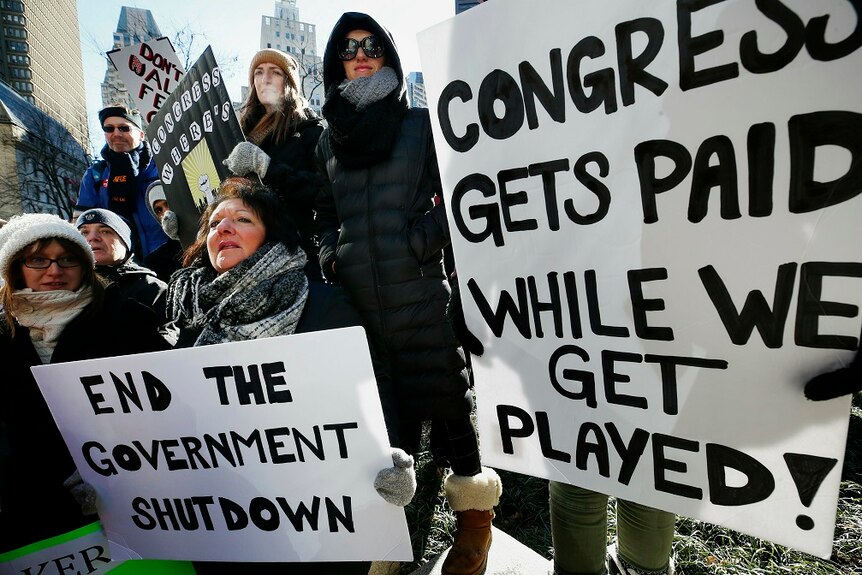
<point x="655" y="217"/>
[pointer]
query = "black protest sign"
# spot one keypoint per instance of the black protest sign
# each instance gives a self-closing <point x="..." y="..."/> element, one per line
<point x="654" y="211"/>
<point x="195" y="129"/>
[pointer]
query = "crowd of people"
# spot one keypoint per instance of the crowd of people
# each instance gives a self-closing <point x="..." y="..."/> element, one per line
<point x="320" y="227"/>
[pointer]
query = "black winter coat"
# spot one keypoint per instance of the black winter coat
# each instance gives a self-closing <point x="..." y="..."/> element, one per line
<point x="381" y="229"/>
<point x="131" y="281"/>
<point x="165" y="260"/>
<point x="34" y="505"/>
<point x="292" y="175"/>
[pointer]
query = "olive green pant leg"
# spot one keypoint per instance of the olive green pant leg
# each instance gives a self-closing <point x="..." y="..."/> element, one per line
<point x="579" y="525"/>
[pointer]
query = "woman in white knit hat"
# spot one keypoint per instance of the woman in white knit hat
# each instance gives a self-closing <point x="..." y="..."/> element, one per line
<point x="53" y="304"/>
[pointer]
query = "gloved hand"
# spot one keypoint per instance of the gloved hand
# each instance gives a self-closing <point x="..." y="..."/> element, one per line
<point x="247" y="158"/>
<point x="397" y="484"/>
<point x="171" y="225"/>
<point x="83" y="493"/>
<point x="836" y="383"/>
<point x="455" y="315"/>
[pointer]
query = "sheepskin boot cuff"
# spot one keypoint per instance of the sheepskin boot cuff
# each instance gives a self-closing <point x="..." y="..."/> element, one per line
<point x="478" y="492"/>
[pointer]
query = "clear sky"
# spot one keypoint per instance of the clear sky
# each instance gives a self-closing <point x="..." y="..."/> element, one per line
<point x="233" y="28"/>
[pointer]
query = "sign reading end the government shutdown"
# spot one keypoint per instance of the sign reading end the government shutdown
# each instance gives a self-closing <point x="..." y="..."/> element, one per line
<point x="655" y="211"/>
<point x="260" y="450"/>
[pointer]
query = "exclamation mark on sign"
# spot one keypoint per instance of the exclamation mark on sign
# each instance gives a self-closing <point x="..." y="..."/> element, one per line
<point x="808" y="472"/>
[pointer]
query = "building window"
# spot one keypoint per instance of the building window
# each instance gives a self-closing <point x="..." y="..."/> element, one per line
<point x="15" y="32"/>
<point x="277" y="34"/>
<point x="267" y="20"/>
<point x="14" y="46"/>
<point x="13" y="5"/>
<point x="268" y="45"/>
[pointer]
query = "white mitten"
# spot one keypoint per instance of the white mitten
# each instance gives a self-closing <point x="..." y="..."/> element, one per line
<point x="247" y="158"/>
<point x="397" y="484"/>
<point x="171" y="225"/>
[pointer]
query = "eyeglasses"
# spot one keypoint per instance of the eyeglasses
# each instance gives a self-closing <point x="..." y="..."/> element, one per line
<point x="125" y="128"/>
<point x="40" y="263"/>
<point x="371" y="45"/>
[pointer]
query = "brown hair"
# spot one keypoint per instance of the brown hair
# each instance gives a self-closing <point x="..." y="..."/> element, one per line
<point x="260" y="200"/>
<point x="282" y="121"/>
<point x="14" y="279"/>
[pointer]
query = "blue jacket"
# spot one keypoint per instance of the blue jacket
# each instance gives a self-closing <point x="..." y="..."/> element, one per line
<point x="94" y="194"/>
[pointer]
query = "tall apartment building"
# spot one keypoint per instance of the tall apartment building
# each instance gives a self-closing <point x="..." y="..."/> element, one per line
<point x="284" y="31"/>
<point x="40" y="58"/>
<point x="135" y="25"/>
<point x="416" y="90"/>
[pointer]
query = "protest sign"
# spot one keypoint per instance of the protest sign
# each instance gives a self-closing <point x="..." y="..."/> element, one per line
<point x="655" y="210"/>
<point x="149" y="70"/>
<point x="263" y="450"/>
<point x="195" y="129"/>
<point x="84" y="550"/>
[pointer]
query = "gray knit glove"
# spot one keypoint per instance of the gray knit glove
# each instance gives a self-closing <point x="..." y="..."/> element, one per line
<point x="247" y="158"/>
<point x="83" y="493"/>
<point x="397" y="484"/>
<point x="171" y="225"/>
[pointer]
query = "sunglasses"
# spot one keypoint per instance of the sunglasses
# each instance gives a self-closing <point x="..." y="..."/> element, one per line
<point x="371" y="45"/>
<point x="40" y="263"/>
<point x="110" y="129"/>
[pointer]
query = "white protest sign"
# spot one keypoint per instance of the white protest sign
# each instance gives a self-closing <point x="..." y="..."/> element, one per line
<point x="655" y="211"/>
<point x="150" y="70"/>
<point x="263" y="450"/>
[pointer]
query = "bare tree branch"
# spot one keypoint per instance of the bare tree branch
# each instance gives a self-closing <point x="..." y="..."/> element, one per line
<point x="49" y="164"/>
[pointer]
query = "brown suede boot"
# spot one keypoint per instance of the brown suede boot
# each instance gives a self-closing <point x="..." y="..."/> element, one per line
<point x="473" y="500"/>
<point x="469" y="552"/>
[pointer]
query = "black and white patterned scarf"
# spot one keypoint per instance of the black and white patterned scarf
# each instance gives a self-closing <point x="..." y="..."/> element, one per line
<point x="262" y="296"/>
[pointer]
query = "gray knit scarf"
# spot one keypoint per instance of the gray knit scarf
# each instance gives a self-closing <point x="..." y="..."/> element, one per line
<point x="262" y="296"/>
<point x="364" y="91"/>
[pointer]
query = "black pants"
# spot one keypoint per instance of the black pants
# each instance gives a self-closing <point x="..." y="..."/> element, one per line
<point x="453" y="442"/>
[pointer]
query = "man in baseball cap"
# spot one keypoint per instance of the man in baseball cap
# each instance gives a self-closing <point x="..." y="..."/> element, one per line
<point x="110" y="238"/>
<point x="118" y="182"/>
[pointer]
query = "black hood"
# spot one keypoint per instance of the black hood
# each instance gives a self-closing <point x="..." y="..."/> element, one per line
<point x="333" y="69"/>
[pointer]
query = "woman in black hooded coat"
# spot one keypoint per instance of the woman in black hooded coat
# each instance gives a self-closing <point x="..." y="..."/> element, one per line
<point x="381" y="236"/>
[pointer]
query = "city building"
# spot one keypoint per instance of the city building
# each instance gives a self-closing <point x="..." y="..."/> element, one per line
<point x="135" y="25"/>
<point x="40" y="160"/>
<point x="284" y="31"/>
<point x="416" y="90"/>
<point x="40" y="59"/>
